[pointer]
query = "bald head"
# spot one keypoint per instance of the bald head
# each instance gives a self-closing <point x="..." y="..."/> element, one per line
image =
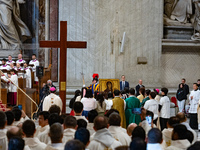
<point x="100" y="122"/>
<point x="14" y="132"/>
<point x="140" y="82"/>
<point x="130" y="128"/>
<point x="19" y="56"/>
<point x="181" y="117"/>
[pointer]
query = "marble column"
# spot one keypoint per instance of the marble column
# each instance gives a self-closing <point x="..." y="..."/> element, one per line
<point x="46" y="32"/>
<point x="54" y="36"/>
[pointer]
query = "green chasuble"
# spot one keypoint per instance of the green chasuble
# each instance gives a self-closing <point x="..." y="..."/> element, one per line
<point x="118" y="104"/>
<point x="132" y="102"/>
<point x="144" y="101"/>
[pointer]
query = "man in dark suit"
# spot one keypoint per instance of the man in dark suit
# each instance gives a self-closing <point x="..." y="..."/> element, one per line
<point x="138" y="87"/>
<point x="123" y="83"/>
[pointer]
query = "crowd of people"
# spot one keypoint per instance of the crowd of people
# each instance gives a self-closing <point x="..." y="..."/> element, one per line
<point x="14" y="70"/>
<point x="119" y="120"/>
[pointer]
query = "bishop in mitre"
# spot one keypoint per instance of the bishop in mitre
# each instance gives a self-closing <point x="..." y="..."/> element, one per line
<point x="52" y="99"/>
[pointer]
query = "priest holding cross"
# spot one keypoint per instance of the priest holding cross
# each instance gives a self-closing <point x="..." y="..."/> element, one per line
<point x="63" y="44"/>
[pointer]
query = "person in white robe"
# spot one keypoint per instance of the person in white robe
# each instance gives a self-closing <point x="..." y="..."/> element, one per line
<point x="92" y="114"/>
<point x="43" y="124"/>
<point x="43" y="137"/>
<point x="4" y="85"/>
<point x="102" y="138"/>
<point x="12" y="95"/>
<point x="15" y="131"/>
<point x="3" y="130"/>
<point x="36" y="63"/>
<point x="152" y="105"/>
<point x="130" y="128"/>
<point x="183" y="120"/>
<point x="19" y="70"/>
<point x="78" y="110"/>
<point x="52" y="99"/>
<point x="56" y="135"/>
<point x="119" y="133"/>
<point x="13" y="67"/>
<point x="109" y="102"/>
<point x="10" y="60"/>
<point x="27" y="75"/>
<point x="10" y="119"/>
<point x="70" y="127"/>
<point x="154" y="139"/>
<point x="167" y="132"/>
<point x="32" y="142"/>
<point x="20" y="60"/>
<point x="20" y="117"/>
<point x="180" y="138"/>
<point x="4" y="66"/>
<point x="194" y="102"/>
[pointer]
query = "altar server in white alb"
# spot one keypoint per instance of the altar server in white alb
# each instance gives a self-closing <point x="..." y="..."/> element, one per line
<point x="12" y="66"/>
<point x="52" y="99"/>
<point x="27" y="75"/>
<point x="36" y="63"/>
<point x="20" y="60"/>
<point x="4" y="85"/>
<point x="10" y="60"/>
<point x="194" y="102"/>
<point x="12" y="95"/>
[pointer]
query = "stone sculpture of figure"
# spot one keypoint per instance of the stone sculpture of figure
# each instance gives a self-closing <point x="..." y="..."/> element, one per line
<point x="13" y="30"/>
<point x="169" y="7"/>
<point x="182" y="11"/>
<point x="196" y="35"/>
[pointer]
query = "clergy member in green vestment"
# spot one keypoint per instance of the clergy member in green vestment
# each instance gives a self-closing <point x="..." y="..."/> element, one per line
<point x="132" y="102"/>
<point x="119" y="104"/>
<point x="147" y="92"/>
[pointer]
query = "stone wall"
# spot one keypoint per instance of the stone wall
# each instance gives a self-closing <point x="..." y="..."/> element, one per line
<point x="178" y="63"/>
<point x="101" y="23"/>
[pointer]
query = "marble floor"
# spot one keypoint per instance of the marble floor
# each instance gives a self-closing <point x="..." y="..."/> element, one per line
<point x="198" y="135"/>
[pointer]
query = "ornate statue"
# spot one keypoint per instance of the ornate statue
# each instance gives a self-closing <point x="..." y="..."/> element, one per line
<point x="196" y="35"/>
<point x="169" y="7"/>
<point x="182" y="11"/>
<point x="179" y="11"/>
<point x="13" y="30"/>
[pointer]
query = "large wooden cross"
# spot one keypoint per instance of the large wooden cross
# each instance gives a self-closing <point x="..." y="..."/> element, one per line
<point x="63" y="44"/>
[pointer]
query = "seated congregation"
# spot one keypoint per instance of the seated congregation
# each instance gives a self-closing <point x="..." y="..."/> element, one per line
<point x="102" y="122"/>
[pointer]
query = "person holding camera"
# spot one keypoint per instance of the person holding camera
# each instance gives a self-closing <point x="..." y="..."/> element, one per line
<point x="45" y="90"/>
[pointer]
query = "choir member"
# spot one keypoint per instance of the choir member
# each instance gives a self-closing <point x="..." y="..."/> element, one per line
<point x="4" y="65"/>
<point x="10" y="60"/>
<point x="27" y="75"/>
<point x="20" y="60"/>
<point x="4" y="85"/>
<point x="13" y="67"/>
<point x="34" y="62"/>
<point x="12" y="94"/>
<point x="19" y="68"/>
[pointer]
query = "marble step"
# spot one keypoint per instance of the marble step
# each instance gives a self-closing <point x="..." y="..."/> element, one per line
<point x="178" y="32"/>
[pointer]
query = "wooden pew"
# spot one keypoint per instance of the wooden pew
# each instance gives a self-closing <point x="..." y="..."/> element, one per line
<point x="27" y="104"/>
<point x="4" y="96"/>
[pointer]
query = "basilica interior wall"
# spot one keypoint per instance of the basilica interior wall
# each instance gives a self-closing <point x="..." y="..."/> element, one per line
<point x="102" y="23"/>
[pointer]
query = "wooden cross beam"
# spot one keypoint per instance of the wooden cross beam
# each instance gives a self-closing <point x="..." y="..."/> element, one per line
<point x="63" y="44"/>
